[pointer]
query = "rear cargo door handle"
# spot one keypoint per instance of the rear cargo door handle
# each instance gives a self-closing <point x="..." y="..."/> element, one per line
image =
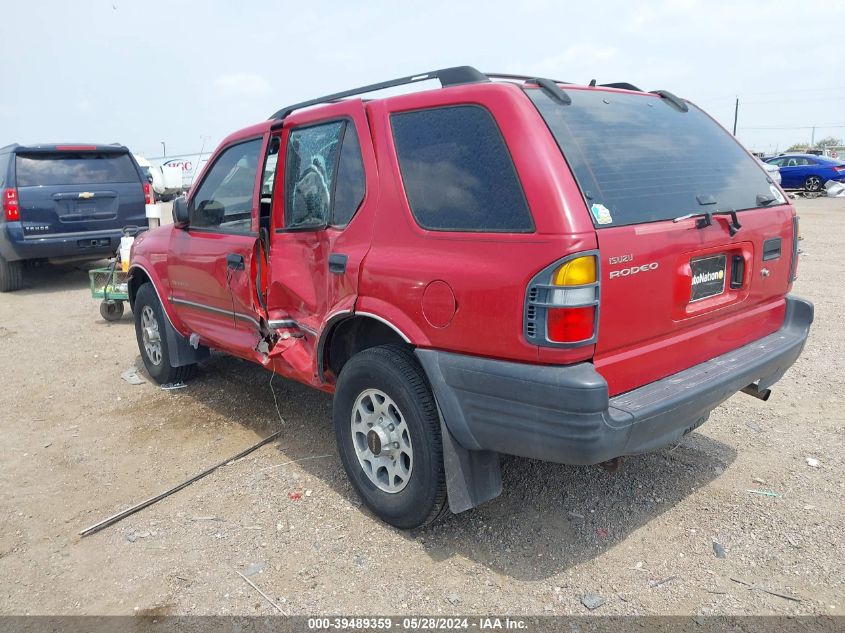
<point x="337" y="263"/>
<point x="234" y="261"/>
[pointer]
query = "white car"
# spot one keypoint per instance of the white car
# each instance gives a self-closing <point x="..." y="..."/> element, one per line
<point x="773" y="170"/>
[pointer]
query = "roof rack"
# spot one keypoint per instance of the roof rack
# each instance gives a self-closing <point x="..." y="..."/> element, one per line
<point x="447" y="77"/>
<point x="527" y="78"/>
<point x="467" y="75"/>
<point x="622" y="85"/>
<point x="551" y="89"/>
<point x="675" y="101"/>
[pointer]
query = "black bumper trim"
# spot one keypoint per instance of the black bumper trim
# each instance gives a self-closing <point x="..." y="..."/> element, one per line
<point x="563" y="413"/>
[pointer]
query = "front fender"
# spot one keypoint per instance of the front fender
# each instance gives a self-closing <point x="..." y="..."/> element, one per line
<point x="141" y="267"/>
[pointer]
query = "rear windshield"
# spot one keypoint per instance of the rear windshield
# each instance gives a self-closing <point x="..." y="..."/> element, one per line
<point x="68" y="168"/>
<point x="638" y="159"/>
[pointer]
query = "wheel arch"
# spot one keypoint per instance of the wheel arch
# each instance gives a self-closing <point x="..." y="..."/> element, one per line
<point x="348" y="333"/>
<point x="138" y="276"/>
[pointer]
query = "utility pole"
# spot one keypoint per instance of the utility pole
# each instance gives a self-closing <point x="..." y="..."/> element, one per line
<point x="736" y="114"/>
<point x="813" y="137"/>
<point x="163" y="149"/>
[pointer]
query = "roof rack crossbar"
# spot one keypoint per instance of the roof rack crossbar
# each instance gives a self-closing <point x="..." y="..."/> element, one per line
<point x="622" y="85"/>
<point x="526" y="78"/>
<point x="551" y="89"/>
<point x="447" y="77"/>
<point x="670" y="98"/>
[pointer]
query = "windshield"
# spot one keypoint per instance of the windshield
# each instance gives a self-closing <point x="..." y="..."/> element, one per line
<point x="639" y="159"/>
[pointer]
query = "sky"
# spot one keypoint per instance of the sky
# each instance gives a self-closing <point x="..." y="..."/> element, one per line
<point x="189" y="73"/>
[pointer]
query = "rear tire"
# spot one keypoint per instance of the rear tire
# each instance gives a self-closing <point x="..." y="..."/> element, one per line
<point x="400" y="477"/>
<point x="813" y="183"/>
<point x="150" y="330"/>
<point x="11" y="275"/>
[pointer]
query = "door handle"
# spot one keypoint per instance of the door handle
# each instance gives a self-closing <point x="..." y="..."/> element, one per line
<point x="337" y="263"/>
<point x="234" y="261"/>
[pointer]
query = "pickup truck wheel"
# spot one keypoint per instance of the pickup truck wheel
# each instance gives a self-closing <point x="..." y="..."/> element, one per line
<point x="388" y="436"/>
<point x="150" y="324"/>
<point x="11" y="275"/>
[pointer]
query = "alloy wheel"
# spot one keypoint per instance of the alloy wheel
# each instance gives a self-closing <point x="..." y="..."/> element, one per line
<point x="151" y="335"/>
<point x="382" y="441"/>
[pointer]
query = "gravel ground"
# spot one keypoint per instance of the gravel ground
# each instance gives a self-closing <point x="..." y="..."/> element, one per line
<point x="78" y="444"/>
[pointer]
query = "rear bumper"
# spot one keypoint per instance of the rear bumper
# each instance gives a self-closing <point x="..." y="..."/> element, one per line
<point x="564" y="414"/>
<point x="83" y="245"/>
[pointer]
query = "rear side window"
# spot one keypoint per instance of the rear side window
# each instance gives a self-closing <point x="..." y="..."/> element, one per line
<point x="69" y="168"/>
<point x="349" y="190"/>
<point x="638" y="159"/>
<point x="310" y="166"/>
<point x="457" y="171"/>
<point x="324" y="175"/>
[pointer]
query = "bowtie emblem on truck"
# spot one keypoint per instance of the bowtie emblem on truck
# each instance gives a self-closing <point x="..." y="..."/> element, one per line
<point x="85" y="195"/>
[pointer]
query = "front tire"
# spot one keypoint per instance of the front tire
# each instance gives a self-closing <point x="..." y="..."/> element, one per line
<point x="813" y="183"/>
<point x="388" y="436"/>
<point x="11" y="275"/>
<point x="150" y="330"/>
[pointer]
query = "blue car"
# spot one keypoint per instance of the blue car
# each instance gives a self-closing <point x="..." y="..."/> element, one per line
<point x="806" y="171"/>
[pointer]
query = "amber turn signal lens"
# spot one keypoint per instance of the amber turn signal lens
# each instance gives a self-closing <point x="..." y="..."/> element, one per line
<point x="576" y="272"/>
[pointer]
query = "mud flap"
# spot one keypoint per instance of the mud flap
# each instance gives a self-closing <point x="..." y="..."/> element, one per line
<point x="472" y="477"/>
<point x="180" y="350"/>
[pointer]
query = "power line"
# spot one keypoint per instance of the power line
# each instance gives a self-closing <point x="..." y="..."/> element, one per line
<point x="793" y="127"/>
<point x="721" y="97"/>
<point x="813" y="100"/>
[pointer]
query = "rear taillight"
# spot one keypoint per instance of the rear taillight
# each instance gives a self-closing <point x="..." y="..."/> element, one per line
<point x="568" y="325"/>
<point x="11" y="208"/>
<point x="149" y="198"/>
<point x="562" y="303"/>
<point x="839" y="168"/>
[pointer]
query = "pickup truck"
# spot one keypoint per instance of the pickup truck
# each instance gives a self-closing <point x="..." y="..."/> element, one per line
<point x="497" y="265"/>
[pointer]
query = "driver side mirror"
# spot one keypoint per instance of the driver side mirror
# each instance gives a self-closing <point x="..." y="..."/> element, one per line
<point x="181" y="215"/>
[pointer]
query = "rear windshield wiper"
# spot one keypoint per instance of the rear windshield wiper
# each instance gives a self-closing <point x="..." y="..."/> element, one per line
<point x="706" y="219"/>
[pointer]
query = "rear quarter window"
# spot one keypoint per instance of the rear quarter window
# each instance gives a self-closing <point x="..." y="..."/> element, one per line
<point x="69" y="168"/>
<point x="457" y="172"/>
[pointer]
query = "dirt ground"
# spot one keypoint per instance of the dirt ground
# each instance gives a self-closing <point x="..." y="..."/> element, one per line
<point x="78" y="444"/>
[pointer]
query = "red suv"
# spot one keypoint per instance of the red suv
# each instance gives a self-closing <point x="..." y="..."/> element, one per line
<point x="500" y="264"/>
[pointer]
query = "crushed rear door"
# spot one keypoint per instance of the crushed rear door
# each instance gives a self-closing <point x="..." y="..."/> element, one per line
<point x="682" y="278"/>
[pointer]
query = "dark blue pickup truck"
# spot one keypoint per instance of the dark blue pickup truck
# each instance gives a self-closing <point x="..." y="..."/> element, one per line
<point x="65" y="202"/>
